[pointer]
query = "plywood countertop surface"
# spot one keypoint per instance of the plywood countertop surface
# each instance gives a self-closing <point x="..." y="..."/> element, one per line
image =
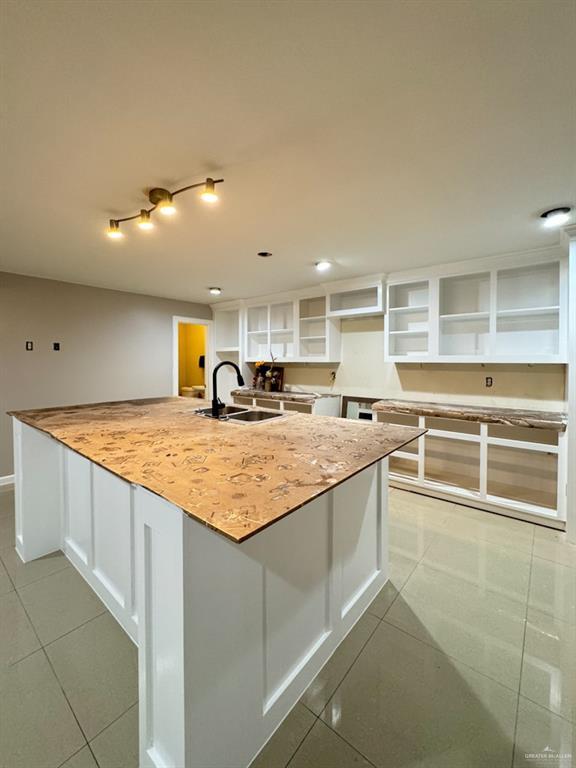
<point x="236" y="478"/>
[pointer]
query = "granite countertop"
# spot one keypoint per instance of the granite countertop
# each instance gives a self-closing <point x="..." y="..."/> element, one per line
<point x="236" y="478"/>
<point x="509" y="416"/>
<point x="297" y="397"/>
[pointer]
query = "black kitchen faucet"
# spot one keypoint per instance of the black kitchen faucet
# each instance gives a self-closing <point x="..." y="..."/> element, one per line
<point x="216" y="402"/>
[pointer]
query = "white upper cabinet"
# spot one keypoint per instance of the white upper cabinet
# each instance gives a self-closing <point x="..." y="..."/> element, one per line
<point x="408" y="319"/>
<point x="353" y="298"/>
<point x="270" y="332"/>
<point x="227" y="330"/>
<point x="292" y="331"/>
<point x="528" y="313"/>
<point x="508" y="312"/>
<point x="319" y="335"/>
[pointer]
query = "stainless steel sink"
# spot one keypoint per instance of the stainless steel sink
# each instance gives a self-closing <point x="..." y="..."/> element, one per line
<point x="223" y="413"/>
<point x="254" y="416"/>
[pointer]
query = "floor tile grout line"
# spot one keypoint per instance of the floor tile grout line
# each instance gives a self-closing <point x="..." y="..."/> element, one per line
<point x="65" y="696"/>
<point x="319" y="717"/>
<point x="41" y="644"/>
<point x="72" y="708"/>
<point x="349" y="668"/>
<point x="452" y="658"/>
<point x="43" y="650"/>
<point x="30" y="622"/>
<point x="307" y="707"/>
<point x="345" y="740"/>
<point x="556" y="562"/>
<point x="438" y="569"/>
<point x="477" y="538"/>
<point x="550" y="711"/>
<point x="47" y="576"/>
<point x="84" y="746"/>
<point x="412" y="572"/>
<point x="69" y="632"/>
<point x="111" y="723"/>
<point x="66" y="565"/>
<point x="302" y="740"/>
<point x="523" y="650"/>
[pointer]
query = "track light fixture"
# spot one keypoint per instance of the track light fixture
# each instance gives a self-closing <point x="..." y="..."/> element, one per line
<point x="163" y="201"/>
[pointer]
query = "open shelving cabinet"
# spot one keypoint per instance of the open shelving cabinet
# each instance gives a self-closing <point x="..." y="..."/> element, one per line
<point x="509" y="314"/>
<point x="408" y="319"/>
<point x="296" y="330"/>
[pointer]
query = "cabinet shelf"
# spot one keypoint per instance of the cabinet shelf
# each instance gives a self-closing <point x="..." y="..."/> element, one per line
<point x="312" y="317"/>
<point x="309" y="338"/>
<point x="466" y="316"/>
<point x="408" y="333"/>
<point x="281" y="330"/>
<point x="415" y="308"/>
<point x="514" y="310"/>
<point x="527" y="311"/>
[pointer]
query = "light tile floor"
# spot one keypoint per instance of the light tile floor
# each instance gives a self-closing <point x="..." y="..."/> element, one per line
<point x="466" y="659"/>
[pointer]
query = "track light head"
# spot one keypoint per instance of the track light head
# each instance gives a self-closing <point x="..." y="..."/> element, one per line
<point x="113" y="230"/>
<point x="209" y="193"/>
<point x="167" y="207"/>
<point x="162" y="199"/>
<point x="144" y="222"/>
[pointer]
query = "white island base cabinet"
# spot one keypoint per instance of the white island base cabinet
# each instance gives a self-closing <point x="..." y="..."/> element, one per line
<point x="229" y="635"/>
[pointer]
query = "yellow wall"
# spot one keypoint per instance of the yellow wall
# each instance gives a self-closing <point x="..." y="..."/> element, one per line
<point x="191" y="344"/>
<point x="364" y="372"/>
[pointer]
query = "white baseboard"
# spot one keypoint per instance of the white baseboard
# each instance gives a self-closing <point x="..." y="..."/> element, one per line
<point x="6" y="480"/>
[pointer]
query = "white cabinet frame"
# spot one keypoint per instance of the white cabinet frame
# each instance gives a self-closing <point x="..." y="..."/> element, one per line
<point x="483" y="499"/>
<point x="432" y="351"/>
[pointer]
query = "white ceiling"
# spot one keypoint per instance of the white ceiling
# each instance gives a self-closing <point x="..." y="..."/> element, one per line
<point x="379" y="135"/>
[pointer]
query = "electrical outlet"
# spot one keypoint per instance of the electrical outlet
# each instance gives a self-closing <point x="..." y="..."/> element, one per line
<point x="489" y="381"/>
<point x="56" y="346"/>
<point x="332" y="376"/>
<point x="29" y="346"/>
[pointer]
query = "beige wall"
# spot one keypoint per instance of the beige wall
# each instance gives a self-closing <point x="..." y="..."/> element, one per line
<point x="364" y="372"/>
<point x="114" y="346"/>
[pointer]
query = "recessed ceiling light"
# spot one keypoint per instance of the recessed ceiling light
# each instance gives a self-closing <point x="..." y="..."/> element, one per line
<point x="556" y="217"/>
<point x="323" y="265"/>
<point x="215" y="291"/>
<point x="264" y="254"/>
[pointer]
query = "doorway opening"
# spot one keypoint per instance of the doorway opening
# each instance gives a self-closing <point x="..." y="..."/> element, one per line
<point x="191" y="357"/>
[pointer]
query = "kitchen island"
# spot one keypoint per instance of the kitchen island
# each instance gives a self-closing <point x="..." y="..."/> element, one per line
<point x="237" y="556"/>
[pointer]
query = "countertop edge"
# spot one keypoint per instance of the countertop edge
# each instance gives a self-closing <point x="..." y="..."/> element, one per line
<point x="489" y="415"/>
<point x="23" y="418"/>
